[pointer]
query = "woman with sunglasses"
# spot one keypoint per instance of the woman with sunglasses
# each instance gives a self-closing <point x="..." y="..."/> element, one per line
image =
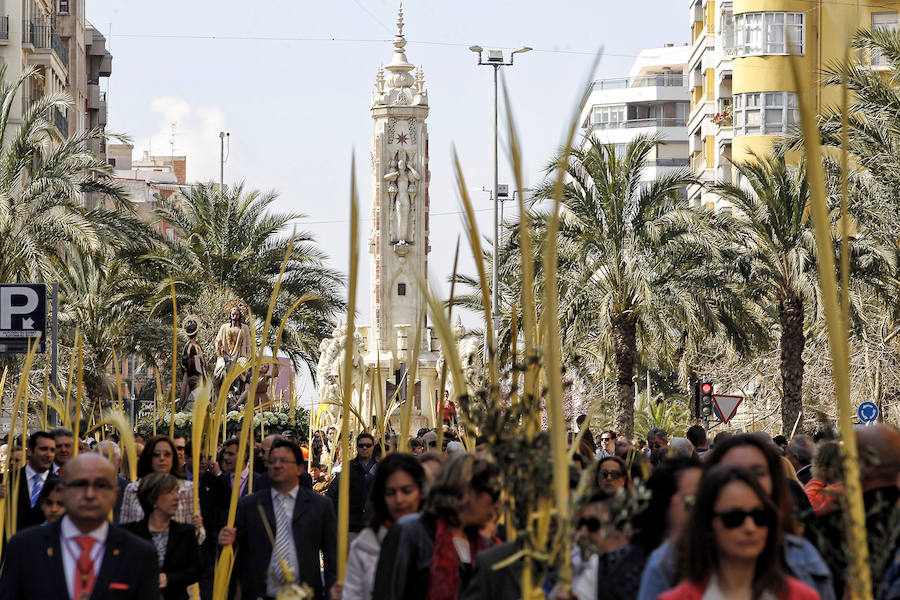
<point x="159" y="456"/>
<point x="397" y="491"/>
<point x="732" y="543"/>
<point x="758" y="455"/>
<point x="429" y="555"/>
<point x="610" y="474"/>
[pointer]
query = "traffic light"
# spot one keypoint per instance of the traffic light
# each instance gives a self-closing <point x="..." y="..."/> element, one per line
<point x="706" y="399"/>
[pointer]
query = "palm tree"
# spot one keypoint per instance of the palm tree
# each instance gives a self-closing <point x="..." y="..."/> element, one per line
<point x="228" y="244"/>
<point x="94" y="300"/>
<point x="776" y="265"/>
<point x="636" y="267"/>
<point x="41" y="187"/>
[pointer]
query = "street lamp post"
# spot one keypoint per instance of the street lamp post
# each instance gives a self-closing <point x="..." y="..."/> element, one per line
<point x="495" y="59"/>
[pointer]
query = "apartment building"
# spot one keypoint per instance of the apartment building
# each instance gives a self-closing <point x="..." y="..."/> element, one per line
<point x="149" y="180"/>
<point x="743" y="95"/>
<point x="653" y="100"/>
<point x="70" y="56"/>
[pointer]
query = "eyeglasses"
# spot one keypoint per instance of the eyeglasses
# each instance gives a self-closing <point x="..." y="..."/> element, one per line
<point x="605" y="439"/>
<point x="162" y="455"/>
<point x="604" y="474"/>
<point x="81" y="485"/>
<point x="592" y="524"/>
<point x="364" y="445"/>
<point x="179" y="448"/>
<point x="733" y="519"/>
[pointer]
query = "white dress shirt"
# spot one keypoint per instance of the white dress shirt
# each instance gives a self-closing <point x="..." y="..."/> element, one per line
<point x="71" y="550"/>
<point x="29" y="477"/>
<point x="288" y="501"/>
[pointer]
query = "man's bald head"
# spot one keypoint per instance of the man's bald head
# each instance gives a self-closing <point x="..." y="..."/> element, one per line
<point x="267" y="443"/>
<point x="89" y="490"/>
<point x="879" y="455"/>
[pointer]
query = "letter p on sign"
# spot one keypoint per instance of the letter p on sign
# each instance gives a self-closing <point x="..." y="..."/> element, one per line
<point x="16" y="301"/>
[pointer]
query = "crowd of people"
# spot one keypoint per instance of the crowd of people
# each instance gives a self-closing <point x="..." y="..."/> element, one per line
<point x="744" y="515"/>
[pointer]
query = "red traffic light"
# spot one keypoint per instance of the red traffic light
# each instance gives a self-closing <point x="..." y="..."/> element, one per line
<point x="706" y="388"/>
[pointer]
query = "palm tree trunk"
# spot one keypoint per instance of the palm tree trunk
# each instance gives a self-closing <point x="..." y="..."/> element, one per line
<point x="790" y="313"/>
<point x="624" y="332"/>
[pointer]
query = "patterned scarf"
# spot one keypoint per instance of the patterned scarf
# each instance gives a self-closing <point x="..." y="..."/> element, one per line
<point x="443" y="576"/>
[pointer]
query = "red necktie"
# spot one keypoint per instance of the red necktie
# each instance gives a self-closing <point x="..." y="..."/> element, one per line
<point x="84" y="568"/>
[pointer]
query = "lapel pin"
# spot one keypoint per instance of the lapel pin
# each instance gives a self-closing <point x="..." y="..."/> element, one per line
<point x="115" y="551"/>
<point x="50" y="552"/>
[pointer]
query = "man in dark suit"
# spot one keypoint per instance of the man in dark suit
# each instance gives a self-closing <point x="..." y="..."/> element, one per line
<point x="302" y="522"/>
<point x="362" y="472"/>
<point x="81" y="556"/>
<point x="32" y="478"/>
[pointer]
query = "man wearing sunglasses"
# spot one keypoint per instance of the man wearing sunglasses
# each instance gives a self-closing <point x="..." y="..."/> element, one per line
<point x="362" y="472"/>
<point x="612" y="565"/>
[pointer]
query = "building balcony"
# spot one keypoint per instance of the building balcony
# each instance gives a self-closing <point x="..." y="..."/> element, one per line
<point x="639" y="123"/>
<point x="621" y="83"/>
<point x="663" y="87"/>
<point x="44" y="37"/>
<point x="4" y="29"/>
<point x="93" y="96"/>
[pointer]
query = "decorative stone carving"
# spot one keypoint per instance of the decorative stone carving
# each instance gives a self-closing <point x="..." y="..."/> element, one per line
<point x="402" y="179"/>
<point x="331" y="364"/>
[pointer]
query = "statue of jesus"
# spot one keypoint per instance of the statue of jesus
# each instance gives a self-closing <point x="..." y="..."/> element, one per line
<point x="232" y="342"/>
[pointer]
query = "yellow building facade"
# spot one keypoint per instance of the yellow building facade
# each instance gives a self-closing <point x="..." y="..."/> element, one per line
<point x="743" y="95"/>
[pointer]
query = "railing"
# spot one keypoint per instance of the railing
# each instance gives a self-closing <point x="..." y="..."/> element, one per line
<point x="623" y="83"/>
<point x="669" y="162"/>
<point x="4" y="28"/>
<point x="637" y="123"/>
<point x="45" y="36"/>
<point x="59" y="47"/>
<point x="698" y="162"/>
<point x="60" y="121"/>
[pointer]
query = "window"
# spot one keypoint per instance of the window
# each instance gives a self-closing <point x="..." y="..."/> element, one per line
<point x="682" y="111"/>
<point x="606" y="117"/>
<point x="401" y="289"/>
<point x="63" y="7"/>
<point x="111" y="161"/>
<point x="883" y="21"/>
<point x="765" y="113"/>
<point x="769" y="33"/>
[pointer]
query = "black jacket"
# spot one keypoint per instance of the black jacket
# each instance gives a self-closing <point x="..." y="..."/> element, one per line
<point x="34" y="567"/>
<point x="314" y="529"/>
<point x="405" y="559"/>
<point x="500" y="584"/>
<point x="181" y="564"/>
<point x="359" y="493"/>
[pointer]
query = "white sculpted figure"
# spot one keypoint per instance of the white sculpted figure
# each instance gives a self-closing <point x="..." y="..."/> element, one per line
<point x="331" y="361"/>
<point x="468" y="350"/>
<point x="403" y="186"/>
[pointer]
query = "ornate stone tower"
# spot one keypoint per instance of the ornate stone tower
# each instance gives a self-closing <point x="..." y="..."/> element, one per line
<point x="399" y="235"/>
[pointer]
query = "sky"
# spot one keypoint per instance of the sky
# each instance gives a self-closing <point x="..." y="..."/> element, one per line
<point x="291" y="82"/>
